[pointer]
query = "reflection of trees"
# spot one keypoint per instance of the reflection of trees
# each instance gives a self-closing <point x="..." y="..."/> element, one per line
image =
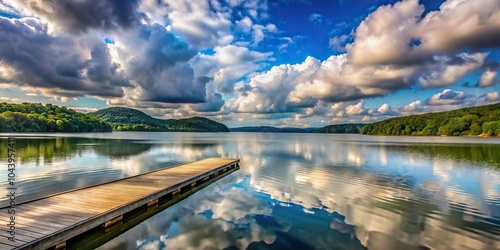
<point x="199" y="146"/>
<point x="49" y="149"/>
<point x="478" y="153"/>
<point x="120" y="148"/>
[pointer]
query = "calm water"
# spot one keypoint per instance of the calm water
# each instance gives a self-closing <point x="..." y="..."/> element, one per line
<point x="293" y="191"/>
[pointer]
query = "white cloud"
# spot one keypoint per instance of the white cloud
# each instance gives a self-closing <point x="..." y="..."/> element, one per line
<point x="259" y="31"/>
<point x="414" y="107"/>
<point x="398" y="34"/>
<point x="7" y="73"/>
<point x="386" y="109"/>
<point x="487" y="79"/>
<point x="83" y="65"/>
<point x="245" y="24"/>
<point x="446" y="72"/>
<point x="379" y="61"/>
<point x="384" y="36"/>
<point x="198" y="23"/>
<point x="447" y="97"/>
<point x="83" y="109"/>
<point x="492" y="96"/>
<point x="356" y="109"/>
<point x="270" y="90"/>
<point x="338" y="43"/>
<point x="228" y="64"/>
<point x="155" y="11"/>
<point x="10" y="99"/>
<point x="479" y="22"/>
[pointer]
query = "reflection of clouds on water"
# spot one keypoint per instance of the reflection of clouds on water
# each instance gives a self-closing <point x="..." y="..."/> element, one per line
<point x="318" y="178"/>
<point x="372" y="201"/>
<point x="198" y="232"/>
<point x="383" y="156"/>
<point x="442" y="168"/>
<point x="237" y="204"/>
<point x="216" y="217"/>
<point x="489" y="186"/>
<point x="355" y="158"/>
<point x="290" y="187"/>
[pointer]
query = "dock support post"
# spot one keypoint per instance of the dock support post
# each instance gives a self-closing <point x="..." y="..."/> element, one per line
<point x="61" y="246"/>
<point x="176" y="192"/>
<point x="153" y="202"/>
<point x="112" y="221"/>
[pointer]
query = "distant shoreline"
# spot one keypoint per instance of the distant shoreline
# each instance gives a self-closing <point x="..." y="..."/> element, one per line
<point x="435" y="136"/>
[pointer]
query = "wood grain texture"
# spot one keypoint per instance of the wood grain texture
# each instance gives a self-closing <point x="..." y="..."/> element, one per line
<point x="46" y="222"/>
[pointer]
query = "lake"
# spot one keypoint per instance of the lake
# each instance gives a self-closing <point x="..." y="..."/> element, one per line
<point x="293" y="191"/>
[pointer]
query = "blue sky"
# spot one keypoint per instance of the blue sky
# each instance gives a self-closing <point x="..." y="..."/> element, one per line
<point x="256" y="62"/>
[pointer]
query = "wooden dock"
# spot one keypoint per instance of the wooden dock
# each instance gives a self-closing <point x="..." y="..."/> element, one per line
<point x="52" y="221"/>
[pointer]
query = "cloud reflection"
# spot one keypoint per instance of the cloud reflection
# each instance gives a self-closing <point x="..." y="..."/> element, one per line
<point x="316" y="191"/>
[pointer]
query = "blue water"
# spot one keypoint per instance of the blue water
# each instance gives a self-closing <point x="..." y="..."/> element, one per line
<point x="293" y="191"/>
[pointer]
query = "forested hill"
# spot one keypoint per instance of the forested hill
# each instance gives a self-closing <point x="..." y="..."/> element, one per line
<point x="35" y="117"/>
<point x="483" y="120"/>
<point x="127" y="119"/>
<point x="352" y="128"/>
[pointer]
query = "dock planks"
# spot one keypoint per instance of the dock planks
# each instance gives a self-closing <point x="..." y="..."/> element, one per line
<point x="52" y="220"/>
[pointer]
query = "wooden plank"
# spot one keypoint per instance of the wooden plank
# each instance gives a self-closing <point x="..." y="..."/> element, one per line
<point x="46" y="222"/>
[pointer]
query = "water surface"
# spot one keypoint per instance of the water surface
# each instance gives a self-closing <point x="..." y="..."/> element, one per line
<point x="293" y="191"/>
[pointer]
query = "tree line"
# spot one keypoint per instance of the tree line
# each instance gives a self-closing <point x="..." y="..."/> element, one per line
<point x="35" y="117"/>
<point x="481" y="120"/>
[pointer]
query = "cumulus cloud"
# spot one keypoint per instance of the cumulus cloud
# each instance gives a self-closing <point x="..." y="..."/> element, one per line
<point x="447" y="97"/>
<point x="7" y="73"/>
<point x="213" y="103"/>
<point x="492" y="97"/>
<point x="384" y="37"/>
<point x="387" y="109"/>
<point x="199" y="24"/>
<point x="356" y="109"/>
<point x="286" y="88"/>
<point x="448" y="100"/>
<point x="488" y="78"/>
<point x="413" y="107"/>
<point x="399" y="34"/>
<point x="156" y="61"/>
<point x="269" y="90"/>
<point x="260" y="30"/>
<point x="80" y="68"/>
<point x="245" y="24"/>
<point x="228" y="64"/>
<point x="77" y="16"/>
<point x="448" y="71"/>
<point x="338" y="43"/>
<point x="388" y="54"/>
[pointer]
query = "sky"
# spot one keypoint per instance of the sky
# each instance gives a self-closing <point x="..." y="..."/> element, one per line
<point x="286" y="63"/>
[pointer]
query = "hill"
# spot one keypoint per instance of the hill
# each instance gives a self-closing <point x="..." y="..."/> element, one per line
<point x="35" y="117"/>
<point x="271" y="129"/>
<point x="353" y="128"/>
<point x="127" y="119"/>
<point x="481" y="120"/>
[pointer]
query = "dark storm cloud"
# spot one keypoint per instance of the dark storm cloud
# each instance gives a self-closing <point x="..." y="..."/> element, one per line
<point x="59" y="63"/>
<point x="81" y="15"/>
<point x="213" y="104"/>
<point x="159" y="66"/>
